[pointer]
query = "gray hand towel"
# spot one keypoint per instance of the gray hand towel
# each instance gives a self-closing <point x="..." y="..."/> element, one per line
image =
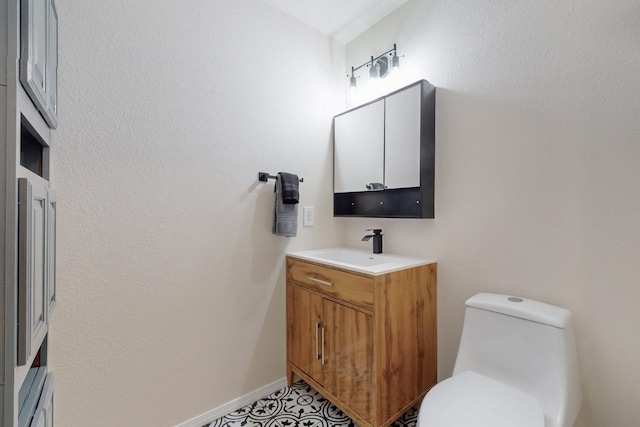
<point x="285" y="219"/>
<point x="289" y="187"/>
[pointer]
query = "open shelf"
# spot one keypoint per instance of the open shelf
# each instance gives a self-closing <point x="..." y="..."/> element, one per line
<point x="34" y="152"/>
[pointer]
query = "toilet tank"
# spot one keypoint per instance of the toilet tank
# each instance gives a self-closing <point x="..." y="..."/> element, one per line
<point x="526" y="344"/>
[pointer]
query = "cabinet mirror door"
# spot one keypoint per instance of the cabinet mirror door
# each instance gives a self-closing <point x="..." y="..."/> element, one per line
<point x="402" y="138"/>
<point x="359" y="148"/>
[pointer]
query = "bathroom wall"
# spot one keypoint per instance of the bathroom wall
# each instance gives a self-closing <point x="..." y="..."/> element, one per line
<point x="537" y="178"/>
<point x="171" y="285"/>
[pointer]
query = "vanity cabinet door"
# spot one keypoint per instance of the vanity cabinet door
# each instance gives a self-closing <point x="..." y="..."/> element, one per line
<point x="332" y="344"/>
<point x="351" y="341"/>
<point x="359" y="148"/>
<point x="304" y="332"/>
<point x="402" y="138"/>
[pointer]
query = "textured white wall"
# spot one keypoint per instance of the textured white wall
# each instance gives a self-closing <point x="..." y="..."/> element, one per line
<point x="538" y="184"/>
<point x="171" y="285"/>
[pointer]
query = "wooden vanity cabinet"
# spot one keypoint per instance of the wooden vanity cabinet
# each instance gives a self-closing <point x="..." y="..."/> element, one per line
<point x="366" y="343"/>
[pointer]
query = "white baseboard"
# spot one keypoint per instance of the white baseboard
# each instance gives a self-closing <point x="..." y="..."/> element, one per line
<point x="235" y="404"/>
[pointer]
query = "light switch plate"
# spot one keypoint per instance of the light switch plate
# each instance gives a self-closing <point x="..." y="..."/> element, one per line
<point x="307" y="216"/>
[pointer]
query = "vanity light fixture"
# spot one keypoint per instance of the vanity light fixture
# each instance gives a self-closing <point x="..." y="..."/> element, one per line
<point x="378" y="66"/>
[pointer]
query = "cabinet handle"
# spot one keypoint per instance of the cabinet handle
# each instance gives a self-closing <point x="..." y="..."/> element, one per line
<point x="322" y="282"/>
<point x="25" y="230"/>
<point x="322" y="346"/>
<point x="317" y="342"/>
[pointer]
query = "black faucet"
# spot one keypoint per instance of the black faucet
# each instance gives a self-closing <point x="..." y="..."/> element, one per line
<point x="377" y="240"/>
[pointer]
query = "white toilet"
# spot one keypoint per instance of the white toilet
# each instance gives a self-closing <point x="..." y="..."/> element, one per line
<point x="516" y="367"/>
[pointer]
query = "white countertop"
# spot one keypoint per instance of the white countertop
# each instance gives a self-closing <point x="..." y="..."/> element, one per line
<point x="361" y="261"/>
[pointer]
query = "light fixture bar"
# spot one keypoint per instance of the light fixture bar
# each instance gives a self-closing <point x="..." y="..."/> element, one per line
<point x="373" y="71"/>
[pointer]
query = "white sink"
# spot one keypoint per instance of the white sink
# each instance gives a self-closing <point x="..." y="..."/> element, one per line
<point x="361" y="261"/>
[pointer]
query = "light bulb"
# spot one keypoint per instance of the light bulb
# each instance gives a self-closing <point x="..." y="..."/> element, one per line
<point x="373" y="71"/>
<point x="395" y="61"/>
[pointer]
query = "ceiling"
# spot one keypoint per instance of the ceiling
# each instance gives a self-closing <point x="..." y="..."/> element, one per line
<point x="343" y="20"/>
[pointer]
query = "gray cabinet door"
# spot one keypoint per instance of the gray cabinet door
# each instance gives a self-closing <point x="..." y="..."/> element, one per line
<point x="51" y="116"/>
<point x="43" y="417"/>
<point x="32" y="267"/>
<point x="33" y="58"/>
<point x="39" y="56"/>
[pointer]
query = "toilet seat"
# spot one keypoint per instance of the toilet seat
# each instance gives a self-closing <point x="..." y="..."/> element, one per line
<point x="471" y="399"/>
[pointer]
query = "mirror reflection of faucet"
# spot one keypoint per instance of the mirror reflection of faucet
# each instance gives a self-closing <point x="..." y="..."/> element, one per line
<point x="375" y="186"/>
<point x="377" y="240"/>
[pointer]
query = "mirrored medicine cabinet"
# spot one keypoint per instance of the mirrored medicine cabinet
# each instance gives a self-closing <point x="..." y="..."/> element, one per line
<point x="384" y="156"/>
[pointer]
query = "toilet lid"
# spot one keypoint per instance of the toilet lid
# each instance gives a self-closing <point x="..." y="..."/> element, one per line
<point x="471" y="399"/>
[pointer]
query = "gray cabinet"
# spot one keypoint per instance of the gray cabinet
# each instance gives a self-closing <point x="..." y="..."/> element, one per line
<point x="39" y="56"/>
<point x="28" y="112"/>
<point x="384" y="156"/>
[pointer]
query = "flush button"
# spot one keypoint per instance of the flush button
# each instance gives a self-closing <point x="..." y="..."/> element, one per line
<point x="515" y="299"/>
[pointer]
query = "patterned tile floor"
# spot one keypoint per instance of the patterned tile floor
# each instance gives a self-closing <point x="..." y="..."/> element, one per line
<point x="297" y="406"/>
